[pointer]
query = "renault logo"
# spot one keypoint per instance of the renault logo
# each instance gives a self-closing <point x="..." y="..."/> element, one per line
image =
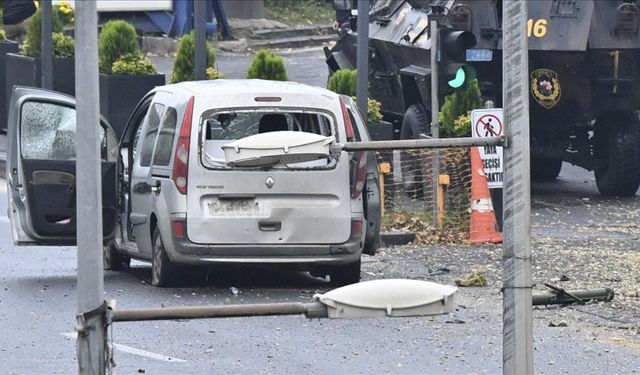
<point x="269" y="182"/>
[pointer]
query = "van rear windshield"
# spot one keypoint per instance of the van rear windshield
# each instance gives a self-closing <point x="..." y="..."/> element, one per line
<point x="223" y="127"/>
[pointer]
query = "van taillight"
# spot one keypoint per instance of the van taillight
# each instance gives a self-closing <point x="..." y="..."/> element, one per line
<point x="348" y="126"/>
<point x="179" y="227"/>
<point x="357" y="182"/>
<point x="356" y="228"/>
<point x="181" y="158"/>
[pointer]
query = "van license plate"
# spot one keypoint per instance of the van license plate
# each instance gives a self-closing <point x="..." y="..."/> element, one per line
<point x="233" y="206"/>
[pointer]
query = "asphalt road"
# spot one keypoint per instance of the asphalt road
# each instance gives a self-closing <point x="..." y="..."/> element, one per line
<point x="38" y="303"/>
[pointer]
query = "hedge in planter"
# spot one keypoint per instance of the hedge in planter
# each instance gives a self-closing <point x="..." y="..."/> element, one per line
<point x="184" y="65"/>
<point x="125" y="74"/>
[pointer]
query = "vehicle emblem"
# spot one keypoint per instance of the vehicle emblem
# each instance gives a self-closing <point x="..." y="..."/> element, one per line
<point x="269" y="182"/>
<point x="545" y="87"/>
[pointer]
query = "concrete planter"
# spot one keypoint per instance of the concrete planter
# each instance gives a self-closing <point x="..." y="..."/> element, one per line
<point x="120" y="94"/>
<point x="25" y="71"/>
<point x="5" y="47"/>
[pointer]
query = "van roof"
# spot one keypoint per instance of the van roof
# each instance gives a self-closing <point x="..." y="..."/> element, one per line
<point x="244" y="86"/>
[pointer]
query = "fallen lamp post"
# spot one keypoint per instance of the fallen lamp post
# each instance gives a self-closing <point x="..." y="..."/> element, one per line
<point x="369" y="299"/>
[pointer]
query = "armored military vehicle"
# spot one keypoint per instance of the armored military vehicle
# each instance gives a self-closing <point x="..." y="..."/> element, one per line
<point x="584" y="73"/>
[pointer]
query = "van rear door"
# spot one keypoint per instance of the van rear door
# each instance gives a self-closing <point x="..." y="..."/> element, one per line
<point x="301" y="200"/>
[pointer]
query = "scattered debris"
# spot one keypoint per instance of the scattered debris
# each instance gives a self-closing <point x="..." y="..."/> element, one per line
<point x="564" y="278"/>
<point x="561" y="296"/>
<point x="561" y="324"/>
<point x="478" y="277"/>
<point x="456" y="321"/>
<point x="234" y="290"/>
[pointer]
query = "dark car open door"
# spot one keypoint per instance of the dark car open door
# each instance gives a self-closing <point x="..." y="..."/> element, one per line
<point x="41" y="168"/>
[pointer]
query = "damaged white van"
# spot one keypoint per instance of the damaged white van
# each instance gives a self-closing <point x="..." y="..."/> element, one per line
<point x="205" y="173"/>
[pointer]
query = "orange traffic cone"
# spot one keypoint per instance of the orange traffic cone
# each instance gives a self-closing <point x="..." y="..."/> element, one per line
<point x="483" y="219"/>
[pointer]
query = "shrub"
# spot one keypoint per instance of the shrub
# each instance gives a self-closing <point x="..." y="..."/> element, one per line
<point x="133" y="64"/>
<point x="213" y="73"/>
<point x="33" y="41"/>
<point x="185" y="63"/>
<point x="267" y="65"/>
<point x="3" y="37"/>
<point x="343" y="81"/>
<point x="455" y="120"/>
<point x="67" y="15"/>
<point x="63" y="45"/>
<point x="117" y="38"/>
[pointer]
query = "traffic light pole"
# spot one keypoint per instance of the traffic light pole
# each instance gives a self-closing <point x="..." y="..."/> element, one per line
<point x="362" y="58"/>
<point x="517" y="339"/>
<point x="435" y="107"/>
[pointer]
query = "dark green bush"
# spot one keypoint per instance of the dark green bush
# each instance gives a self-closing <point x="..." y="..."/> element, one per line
<point x="343" y="82"/>
<point x="133" y="64"/>
<point x="185" y="63"/>
<point x="33" y="41"/>
<point x="117" y="38"/>
<point x="455" y="120"/>
<point x="267" y="65"/>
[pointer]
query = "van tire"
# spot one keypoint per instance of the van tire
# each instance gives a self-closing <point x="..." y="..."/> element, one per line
<point x="162" y="270"/>
<point x="345" y="275"/>
<point x="112" y="259"/>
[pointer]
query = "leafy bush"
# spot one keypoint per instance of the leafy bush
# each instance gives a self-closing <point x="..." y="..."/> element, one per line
<point x="33" y="41"/>
<point x="117" y="38"/>
<point x="213" y="73"/>
<point x="455" y="119"/>
<point x="267" y="65"/>
<point x="185" y="63"/>
<point x="3" y="37"/>
<point x="343" y="81"/>
<point x="63" y="45"/>
<point x="133" y="64"/>
<point x="67" y="15"/>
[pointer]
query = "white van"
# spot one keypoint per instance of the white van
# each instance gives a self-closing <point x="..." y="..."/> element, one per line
<point x="209" y="172"/>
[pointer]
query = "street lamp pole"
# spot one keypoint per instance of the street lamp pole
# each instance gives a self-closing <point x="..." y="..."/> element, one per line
<point x="91" y="313"/>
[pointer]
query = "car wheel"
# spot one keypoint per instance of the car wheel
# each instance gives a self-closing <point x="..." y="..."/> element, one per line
<point x="618" y="169"/>
<point x="345" y="275"/>
<point x="414" y="123"/>
<point x="162" y="270"/>
<point x="545" y="169"/>
<point x="112" y="259"/>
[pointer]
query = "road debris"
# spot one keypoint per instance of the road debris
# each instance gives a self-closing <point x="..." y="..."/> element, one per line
<point x="561" y="296"/>
<point x="478" y="277"/>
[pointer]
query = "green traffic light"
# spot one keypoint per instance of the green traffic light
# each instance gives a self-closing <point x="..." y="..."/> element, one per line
<point x="459" y="80"/>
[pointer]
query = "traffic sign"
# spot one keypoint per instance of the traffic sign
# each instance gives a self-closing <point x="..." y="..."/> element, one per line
<point x="489" y="123"/>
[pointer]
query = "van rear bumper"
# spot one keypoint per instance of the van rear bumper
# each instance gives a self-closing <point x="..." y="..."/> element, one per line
<point x="184" y="251"/>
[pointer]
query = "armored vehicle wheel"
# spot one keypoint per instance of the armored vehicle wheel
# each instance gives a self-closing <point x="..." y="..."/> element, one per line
<point x="414" y="123"/>
<point x="112" y="259"/>
<point x="162" y="270"/>
<point x="545" y="169"/>
<point x="618" y="156"/>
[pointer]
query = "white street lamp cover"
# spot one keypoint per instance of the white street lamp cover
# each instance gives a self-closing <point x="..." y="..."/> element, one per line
<point x="392" y="298"/>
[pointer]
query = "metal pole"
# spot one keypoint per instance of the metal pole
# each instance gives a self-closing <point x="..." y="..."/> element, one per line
<point x="435" y="108"/>
<point x="421" y="143"/>
<point x="46" y="49"/>
<point x="90" y="327"/>
<point x="200" y="25"/>
<point x="517" y="355"/>
<point x="362" y="61"/>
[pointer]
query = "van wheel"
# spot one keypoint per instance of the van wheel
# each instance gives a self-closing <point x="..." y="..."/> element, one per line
<point x="112" y="259"/>
<point x="618" y="169"/>
<point x="162" y="270"/>
<point x="345" y="275"/>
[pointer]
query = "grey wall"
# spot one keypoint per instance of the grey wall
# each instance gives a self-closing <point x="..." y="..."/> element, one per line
<point x="244" y="8"/>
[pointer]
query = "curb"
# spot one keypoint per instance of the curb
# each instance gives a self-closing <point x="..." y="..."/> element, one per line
<point x="396" y="238"/>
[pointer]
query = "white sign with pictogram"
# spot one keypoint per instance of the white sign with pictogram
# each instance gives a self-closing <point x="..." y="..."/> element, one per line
<point x="489" y="123"/>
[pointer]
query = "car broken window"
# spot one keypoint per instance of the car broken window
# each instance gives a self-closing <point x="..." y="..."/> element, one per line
<point x="223" y="127"/>
<point x="48" y="132"/>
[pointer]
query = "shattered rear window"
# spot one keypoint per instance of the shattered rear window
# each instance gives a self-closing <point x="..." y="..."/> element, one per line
<point x="48" y="132"/>
<point x="222" y="127"/>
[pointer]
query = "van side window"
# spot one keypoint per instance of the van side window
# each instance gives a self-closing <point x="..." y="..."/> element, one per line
<point x="164" y="145"/>
<point x="48" y="132"/>
<point x="149" y="135"/>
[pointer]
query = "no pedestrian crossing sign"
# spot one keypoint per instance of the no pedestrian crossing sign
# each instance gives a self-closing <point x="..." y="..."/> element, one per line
<point x="489" y="123"/>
